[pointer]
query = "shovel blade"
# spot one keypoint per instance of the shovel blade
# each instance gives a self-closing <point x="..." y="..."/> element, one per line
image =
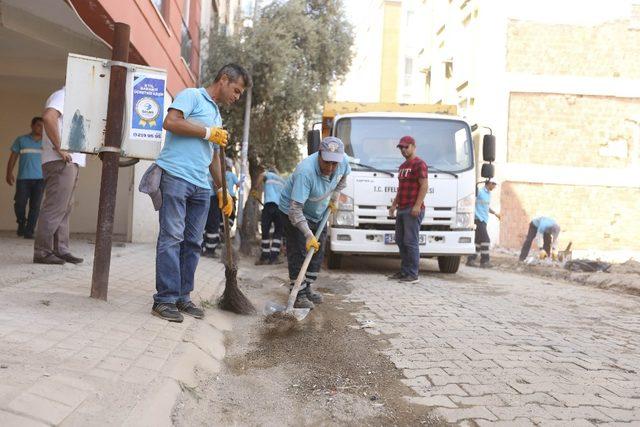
<point x="273" y="307"/>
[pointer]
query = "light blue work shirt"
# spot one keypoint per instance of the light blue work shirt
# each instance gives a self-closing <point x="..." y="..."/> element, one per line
<point x="482" y="205"/>
<point x="543" y="223"/>
<point x="30" y="160"/>
<point x="189" y="157"/>
<point x="273" y="184"/>
<point x="232" y="180"/>
<point x="307" y="185"/>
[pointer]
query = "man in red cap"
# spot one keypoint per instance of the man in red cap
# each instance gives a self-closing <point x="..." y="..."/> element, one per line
<point x="409" y="202"/>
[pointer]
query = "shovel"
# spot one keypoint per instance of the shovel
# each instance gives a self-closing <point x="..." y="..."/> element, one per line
<point x="298" y="313"/>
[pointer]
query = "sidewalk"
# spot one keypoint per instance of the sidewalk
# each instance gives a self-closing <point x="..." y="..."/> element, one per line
<point x="68" y="359"/>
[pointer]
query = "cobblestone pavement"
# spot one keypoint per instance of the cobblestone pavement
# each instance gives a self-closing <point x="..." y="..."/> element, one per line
<point x="498" y="348"/>
<point x="68" y="359"/>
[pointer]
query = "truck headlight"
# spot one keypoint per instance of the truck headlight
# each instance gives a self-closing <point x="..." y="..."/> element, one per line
<point x="464" y="212"/>
<point x="464" y="220"/>
<point x="344" y="218"/>
<point x="345" y="203"/>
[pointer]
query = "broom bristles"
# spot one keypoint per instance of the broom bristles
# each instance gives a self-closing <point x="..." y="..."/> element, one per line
<point x="232" y="298"/>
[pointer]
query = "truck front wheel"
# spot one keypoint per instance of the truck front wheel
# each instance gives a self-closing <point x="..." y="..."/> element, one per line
<point x="448" y="264"/>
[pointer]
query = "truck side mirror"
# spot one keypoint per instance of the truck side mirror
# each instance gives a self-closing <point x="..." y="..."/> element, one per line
<point x="313" y="141"/>
<point x="487" y="170"/>
<point x="489" y="148"/>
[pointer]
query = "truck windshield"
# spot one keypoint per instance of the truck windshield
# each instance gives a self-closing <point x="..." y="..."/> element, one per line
<point x="443" y="144"/>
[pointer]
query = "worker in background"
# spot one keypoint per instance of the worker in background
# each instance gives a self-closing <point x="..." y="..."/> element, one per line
<point x="271" y="183"/>
<point x="483" y="200"/>
<point x="547" y="230"/>
<point x="314" y="187"/>
<point x="211" y="240"/>
<point x="232" y="184"/>
<point x="29" y="185"/>
<point x="408" y="210"/>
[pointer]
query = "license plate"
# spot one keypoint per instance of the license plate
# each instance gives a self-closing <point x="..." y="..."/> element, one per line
<point x="390" y="239"/>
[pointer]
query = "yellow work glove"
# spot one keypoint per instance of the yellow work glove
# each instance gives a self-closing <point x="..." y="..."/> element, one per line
<point x="254" y="194"/>
<point x="554" y="255"/>
<point x="225" y="205"/>
<point x="542" y="254"/>
<point x="333" y="206"/>
<point x="217" y="136"/>
<point x="312" y="242"/>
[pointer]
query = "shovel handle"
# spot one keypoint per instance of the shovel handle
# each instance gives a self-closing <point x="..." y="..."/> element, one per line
<point x="303" y="270"/>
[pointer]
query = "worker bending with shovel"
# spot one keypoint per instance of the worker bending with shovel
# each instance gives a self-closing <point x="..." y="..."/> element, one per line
<point x="313" y="188"/>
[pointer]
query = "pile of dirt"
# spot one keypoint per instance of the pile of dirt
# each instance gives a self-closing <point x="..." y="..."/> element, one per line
<point x="623" y="277"/>
<point x="326" y="371"/>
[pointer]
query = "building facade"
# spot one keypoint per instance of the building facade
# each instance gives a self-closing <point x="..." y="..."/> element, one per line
<point x="558" y="83"/>
<point x="35" y="38"/>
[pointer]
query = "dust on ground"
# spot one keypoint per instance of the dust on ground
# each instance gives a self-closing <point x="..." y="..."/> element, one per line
<point x="326" y="371"/>
<point x="623" y="277"/>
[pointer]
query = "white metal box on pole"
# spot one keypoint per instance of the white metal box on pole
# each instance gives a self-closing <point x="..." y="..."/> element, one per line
<point x="85" y="107"/>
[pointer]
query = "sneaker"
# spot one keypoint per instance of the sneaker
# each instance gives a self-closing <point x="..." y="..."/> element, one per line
<point x="70" y="258"/>
<point x="409" y="279"/>
<point x="27" y="235"/>
<point x="191" y="309"/>
<point x="302" y="301"/>
<point x="262" y="261"/>
<point x="167" y="311"/>
<point x="396" y="276"/>
<point x="210" y="254"/>
<point x="486" y="265"/>
<point x="471" y="263"/>
<point x="313" y="296"/>
<point x="48" y="259"/>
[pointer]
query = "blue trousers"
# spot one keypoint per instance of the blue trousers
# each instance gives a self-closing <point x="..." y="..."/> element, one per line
<point x="407" y="239"/>
<point x="182" y="218"/>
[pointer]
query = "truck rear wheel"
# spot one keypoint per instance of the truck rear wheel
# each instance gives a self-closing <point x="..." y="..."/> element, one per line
<point x="448" y="264"/>
<point x="334" y="260"/>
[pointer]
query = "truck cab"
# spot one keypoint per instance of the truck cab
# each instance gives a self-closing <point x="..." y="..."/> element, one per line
<point x="370" y="133"/>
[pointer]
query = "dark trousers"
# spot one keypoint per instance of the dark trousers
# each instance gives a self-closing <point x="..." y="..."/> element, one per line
<point x="408" y="241"/>
<point x="28" y="191"/>
<point x="212" y="228"/>
<point x="297" y="251"/>
<point x="482" y="242"/>
<point x="526" y="246"/>
<point x="270" y="244"/>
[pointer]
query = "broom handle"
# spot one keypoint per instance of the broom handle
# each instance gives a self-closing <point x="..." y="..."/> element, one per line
<point x="305" y="264"/>
<point x="227" y="232"/>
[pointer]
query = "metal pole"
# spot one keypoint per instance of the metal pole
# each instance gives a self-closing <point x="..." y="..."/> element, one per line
<point x="109" y="181"/>
<point x="244" y="168"/>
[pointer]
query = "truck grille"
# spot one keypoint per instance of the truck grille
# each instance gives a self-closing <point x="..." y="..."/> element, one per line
<point x="438" y="218"/>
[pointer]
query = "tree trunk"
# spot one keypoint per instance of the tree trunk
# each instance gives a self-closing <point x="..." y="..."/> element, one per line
<point x="251" y="215"/>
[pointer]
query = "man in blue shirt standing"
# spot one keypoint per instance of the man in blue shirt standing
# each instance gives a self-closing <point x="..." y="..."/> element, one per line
<point x="313" y="188"/>
<point x="271" y="183"/>
<point x="546" y="228"/>
<point x="190" y="153"/>
<point x="29" y="185"/>
<point x="483" y="199"/>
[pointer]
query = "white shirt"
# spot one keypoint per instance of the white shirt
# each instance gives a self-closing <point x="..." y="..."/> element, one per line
<point x="56" y="101"/>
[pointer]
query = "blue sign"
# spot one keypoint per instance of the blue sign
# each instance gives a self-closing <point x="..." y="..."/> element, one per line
<point x="147" y="108"/>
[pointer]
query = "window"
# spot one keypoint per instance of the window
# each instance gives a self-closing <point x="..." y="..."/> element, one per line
<point x="186" y="43"/>
<point x="161" y="7"/>
<point x="408" y="71"/>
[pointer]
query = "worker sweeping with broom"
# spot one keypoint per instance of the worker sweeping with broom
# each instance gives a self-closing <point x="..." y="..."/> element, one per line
<point x="178" y="182"/>
<point x="313" y="188"/>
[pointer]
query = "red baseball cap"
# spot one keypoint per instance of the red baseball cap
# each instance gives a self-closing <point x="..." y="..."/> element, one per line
<point x="406" y="141"/>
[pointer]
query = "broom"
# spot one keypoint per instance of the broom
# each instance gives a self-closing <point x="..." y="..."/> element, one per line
<point x="232" y="298"/>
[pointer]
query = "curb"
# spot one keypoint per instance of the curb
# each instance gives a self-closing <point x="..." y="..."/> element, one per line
<point x="202" y="348"/>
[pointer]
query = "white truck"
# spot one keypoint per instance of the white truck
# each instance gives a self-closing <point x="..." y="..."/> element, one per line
<point x="370" y="133"/>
